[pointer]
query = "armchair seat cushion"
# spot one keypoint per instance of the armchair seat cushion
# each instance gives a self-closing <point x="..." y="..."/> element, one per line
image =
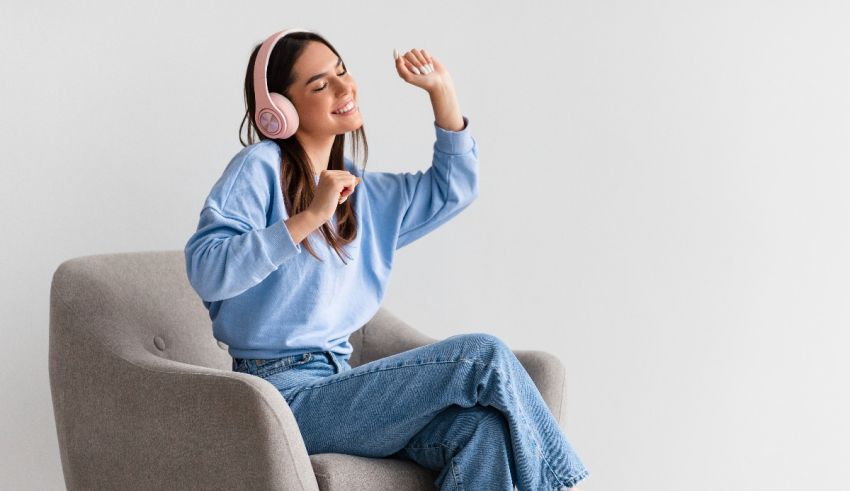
<point x="338" y="472"/>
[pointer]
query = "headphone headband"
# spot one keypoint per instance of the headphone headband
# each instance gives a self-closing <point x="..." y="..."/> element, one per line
<point x="274" y="113"/>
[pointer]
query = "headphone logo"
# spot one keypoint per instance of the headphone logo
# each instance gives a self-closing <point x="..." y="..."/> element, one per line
<point x="269" y="122"/>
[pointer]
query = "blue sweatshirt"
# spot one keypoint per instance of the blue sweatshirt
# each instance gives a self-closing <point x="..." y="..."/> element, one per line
<point x="268" y="298"/>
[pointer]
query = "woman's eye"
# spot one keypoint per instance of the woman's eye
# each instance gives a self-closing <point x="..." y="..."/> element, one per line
<point x="323" y="86"/>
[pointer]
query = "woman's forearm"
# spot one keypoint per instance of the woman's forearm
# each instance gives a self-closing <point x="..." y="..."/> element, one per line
<point x="447" y="113"/>
<point x="302" y="224"/>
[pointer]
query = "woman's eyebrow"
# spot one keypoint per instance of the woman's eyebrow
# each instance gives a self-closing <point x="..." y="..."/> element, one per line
<point x="320" y="75"/>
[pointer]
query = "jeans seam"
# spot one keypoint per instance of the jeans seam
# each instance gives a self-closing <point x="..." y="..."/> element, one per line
<point x="575" y="478"/>
<point x="458" y="480"/>
<point x="281" y="368"/>
<point x="533" y="432"/>
<point x="431" y="445"/>
<point x="383" y="369"/>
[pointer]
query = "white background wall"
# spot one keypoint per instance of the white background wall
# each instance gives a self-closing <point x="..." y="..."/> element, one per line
<point x="663" y="203"/>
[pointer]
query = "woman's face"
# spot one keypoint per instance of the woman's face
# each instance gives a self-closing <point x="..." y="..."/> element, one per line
<point x="322" y="85"/>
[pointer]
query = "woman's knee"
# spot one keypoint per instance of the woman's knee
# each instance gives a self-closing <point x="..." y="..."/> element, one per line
<point x="479" y="342"/>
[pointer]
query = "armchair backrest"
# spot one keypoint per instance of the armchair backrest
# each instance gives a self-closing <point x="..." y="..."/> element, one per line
<point x="135" y="303"/>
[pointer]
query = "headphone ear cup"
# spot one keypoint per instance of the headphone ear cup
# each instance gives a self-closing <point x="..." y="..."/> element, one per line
<point x="287" y="112"/>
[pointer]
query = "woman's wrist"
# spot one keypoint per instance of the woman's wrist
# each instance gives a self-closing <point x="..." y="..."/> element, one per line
<point x="303" y="224"/>
<point x="447" y="113"/>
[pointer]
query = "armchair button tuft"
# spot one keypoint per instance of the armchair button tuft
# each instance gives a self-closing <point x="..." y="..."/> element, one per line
<point x="159" y="342"/>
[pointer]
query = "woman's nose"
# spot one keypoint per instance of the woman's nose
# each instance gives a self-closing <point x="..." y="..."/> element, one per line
<point x="345" y="88"/>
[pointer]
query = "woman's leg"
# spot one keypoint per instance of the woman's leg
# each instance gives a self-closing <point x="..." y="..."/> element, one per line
<point x="470" y="446"/>
<point x="375" y="409"/>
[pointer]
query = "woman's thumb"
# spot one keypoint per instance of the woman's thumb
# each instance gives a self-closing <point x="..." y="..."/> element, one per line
<point x="400" y="67"/>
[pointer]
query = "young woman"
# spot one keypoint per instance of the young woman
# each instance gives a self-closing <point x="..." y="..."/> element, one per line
<point x="463" y="406"/>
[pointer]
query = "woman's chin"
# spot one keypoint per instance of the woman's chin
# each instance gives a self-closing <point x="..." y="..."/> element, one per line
<point x="351" y="124"/>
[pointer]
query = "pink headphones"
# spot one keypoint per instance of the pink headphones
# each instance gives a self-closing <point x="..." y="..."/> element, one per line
<point x="275" y="115"/>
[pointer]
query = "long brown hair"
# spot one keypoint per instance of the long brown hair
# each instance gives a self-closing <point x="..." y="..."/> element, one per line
<point x="297" y="179"/>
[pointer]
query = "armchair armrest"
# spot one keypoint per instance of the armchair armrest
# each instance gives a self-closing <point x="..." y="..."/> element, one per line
<point x="549" y="375"/>
<point x="153" y="423"/>
<point x="385" y="335"/>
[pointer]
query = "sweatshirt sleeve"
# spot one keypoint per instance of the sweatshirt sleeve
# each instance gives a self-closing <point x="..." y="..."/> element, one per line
<point x="417" y="203"/>
<point x="234" y="248"/>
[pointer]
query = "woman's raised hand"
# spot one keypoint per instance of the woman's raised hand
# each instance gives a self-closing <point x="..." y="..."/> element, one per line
<point x="418" y="67"/>
<point x="333" y="189"/>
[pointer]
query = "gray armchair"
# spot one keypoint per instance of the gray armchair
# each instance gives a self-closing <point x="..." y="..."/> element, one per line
<point x="145" y="398"/>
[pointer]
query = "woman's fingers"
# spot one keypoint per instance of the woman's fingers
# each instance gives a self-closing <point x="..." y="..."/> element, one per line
<point x="339" y="177"/>
<point x="428" y="60"/>
<point x="421" y="60"/>
<point x="417" y="62"/>
<point x="405" y="69"/>
<point x="348" y="190"/>
<point x="412" y="63"/>
<point x="401" y="65"/>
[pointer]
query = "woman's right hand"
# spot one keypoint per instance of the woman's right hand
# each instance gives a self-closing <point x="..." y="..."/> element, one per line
<point x="333" y="189"/>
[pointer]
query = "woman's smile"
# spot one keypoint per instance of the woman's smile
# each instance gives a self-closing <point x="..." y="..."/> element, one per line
<point x="348" y="113"/>
<point x="348" y="108"/>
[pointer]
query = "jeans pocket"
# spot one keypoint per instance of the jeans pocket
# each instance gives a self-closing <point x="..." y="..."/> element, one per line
<point x="267" y="368"/>
<point x="289" y="382"/>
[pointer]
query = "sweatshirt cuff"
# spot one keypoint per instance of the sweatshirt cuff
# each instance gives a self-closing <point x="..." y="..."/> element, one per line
<point x="281" y="246"/>
<point x="455" y="142"/>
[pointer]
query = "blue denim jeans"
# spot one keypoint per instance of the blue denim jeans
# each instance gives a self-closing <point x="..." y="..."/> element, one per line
<point x="463" y="406"/>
